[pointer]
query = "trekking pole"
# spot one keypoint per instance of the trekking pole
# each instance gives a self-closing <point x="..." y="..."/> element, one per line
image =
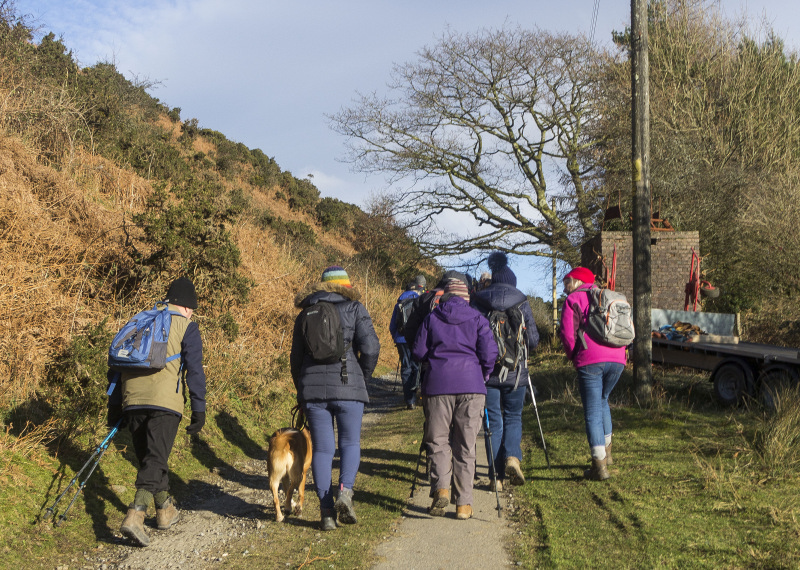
<point x="101" y="449"/>
<point x="535" y="409"/>
<point x="416" y="469"/>
<point x="491" y="461"/>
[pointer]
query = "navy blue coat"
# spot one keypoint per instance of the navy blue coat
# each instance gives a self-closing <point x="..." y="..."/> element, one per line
<point x="315" y="381"/>
<point x="499" y="297"/>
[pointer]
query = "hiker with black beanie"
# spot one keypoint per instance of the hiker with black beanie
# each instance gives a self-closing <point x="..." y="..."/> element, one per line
<point x="151" y="404"/>
<point x="334" y="391"/>
<point x="505" y="394"/>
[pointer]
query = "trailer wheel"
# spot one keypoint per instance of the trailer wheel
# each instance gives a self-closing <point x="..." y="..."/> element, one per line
<point x="733" y="380"/>
<point x="772" y="381"/>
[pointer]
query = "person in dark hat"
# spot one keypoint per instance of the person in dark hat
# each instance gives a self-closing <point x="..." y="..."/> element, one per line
<point x="152" y="408"/>
<point x="409" y="370"/>
<point x="335" y="392"/>
<point x="505" y="394"/>
<point x="457" y="348"/>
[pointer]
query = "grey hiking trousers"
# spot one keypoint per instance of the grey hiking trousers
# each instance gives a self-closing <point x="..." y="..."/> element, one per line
<point x="452" y="422"/>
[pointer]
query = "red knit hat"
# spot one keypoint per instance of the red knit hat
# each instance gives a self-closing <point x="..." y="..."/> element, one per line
<point x="581" y="274"/>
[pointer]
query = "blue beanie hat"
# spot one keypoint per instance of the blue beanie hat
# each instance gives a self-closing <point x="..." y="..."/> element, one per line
<point x="501" y="272"/>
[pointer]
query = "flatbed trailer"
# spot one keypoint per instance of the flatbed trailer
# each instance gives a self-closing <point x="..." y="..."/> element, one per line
<point x="738" y="369"/>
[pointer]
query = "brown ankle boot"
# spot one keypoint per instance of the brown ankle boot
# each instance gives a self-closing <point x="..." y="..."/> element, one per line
<point x="598" y="471"/>
<point x="167" y="515"/>
<point x="133" y="525"/>
<point x="514" y="471"/>
<point x="464" y="512"/>
<point x="609" y="461"/>
<point x="441" y="498"/>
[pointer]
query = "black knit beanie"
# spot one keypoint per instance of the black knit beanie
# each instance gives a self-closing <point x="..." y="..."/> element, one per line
<point x="501" y="272"/>
<point x="181" y="292"/>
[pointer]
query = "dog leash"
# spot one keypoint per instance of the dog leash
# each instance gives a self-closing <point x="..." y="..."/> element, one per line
<point x="298" y="418"/>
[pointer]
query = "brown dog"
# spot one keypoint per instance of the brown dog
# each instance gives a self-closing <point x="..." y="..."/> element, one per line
<point x="289" y="460"/>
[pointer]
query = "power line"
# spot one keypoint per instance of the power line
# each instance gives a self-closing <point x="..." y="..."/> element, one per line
<point x="594" y="21"/>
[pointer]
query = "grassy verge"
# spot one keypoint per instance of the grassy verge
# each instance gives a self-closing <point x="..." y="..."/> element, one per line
<point x="689" y="488"/>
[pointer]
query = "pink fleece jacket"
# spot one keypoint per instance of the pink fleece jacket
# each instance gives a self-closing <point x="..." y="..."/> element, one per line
<point x="573" y="315"/>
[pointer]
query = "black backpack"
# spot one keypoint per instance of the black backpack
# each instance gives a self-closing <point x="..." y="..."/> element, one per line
<point x="508" y="329"/>
<point x="321" y="327"/>
<point x="404" y="310"/>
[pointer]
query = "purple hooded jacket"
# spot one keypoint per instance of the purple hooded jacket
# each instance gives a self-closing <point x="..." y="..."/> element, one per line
<point x="573" y="317"/>
<point x="457" y="349"/>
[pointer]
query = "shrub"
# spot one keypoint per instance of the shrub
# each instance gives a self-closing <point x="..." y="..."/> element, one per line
<point x="78" y="375"/>
<point x="335" y="215"/>
<point x="185" y="234"/>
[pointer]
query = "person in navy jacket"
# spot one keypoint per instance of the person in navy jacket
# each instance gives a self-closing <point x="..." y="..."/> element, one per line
<point x="409" y="369"/>
<point x="505" y="397"/>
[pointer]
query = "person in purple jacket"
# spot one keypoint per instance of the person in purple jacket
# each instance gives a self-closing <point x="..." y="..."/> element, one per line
<point x="599" y="368"/>
<point x="457" y="351"/>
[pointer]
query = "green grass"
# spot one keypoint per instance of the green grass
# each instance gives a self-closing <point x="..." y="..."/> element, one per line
<point x="694" y="485"/>
<point x="687" y="489"/>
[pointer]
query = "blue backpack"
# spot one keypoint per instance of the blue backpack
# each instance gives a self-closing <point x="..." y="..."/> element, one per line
<point x="142" y="343"/>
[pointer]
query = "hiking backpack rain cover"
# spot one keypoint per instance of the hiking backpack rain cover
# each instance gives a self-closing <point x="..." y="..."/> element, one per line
<point x="141" y="344"/>
<point x="508" y="329"/>
<point x="610" y="318"/>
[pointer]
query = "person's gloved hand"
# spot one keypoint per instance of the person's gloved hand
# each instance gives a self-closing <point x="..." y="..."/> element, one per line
<point x="197" y="423"/>
<point x="114" y="415"/>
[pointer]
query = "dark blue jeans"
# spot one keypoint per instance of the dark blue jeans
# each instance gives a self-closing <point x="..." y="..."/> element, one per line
<point x="504" y="405"/>
<point x="409" y="371"/>
<point x="320" y="416"/>
<point x="595" y="382"/>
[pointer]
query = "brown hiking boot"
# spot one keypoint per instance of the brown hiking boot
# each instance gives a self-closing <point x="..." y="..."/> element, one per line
<point x="167" y="515"/>
<point x="514" y="471"/>
<point x="441" y="498"/>
<point x="609" y="461"/>
<point x="133" y="525"/>
<point x="598" y="470"/>
<point x="464" y="512"/>
<point x="496" y="485"/>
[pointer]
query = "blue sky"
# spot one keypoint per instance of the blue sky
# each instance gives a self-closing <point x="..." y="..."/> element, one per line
<point x="265" y="73"/>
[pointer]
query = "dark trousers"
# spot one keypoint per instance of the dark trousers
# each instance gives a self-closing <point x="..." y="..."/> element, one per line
<point x="153" y="433"/>
<point x="409" y="372"/>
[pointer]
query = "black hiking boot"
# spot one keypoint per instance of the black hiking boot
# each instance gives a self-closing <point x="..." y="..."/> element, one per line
<point x="327" y="519"/>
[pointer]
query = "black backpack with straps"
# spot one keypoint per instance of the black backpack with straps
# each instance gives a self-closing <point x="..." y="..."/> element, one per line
<point x="509" y="332"/>
<point x="321" y="328"/>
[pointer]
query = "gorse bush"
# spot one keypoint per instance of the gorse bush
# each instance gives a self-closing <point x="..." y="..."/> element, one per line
<point x="184" y="233"/>
<point x="78" y="376"/>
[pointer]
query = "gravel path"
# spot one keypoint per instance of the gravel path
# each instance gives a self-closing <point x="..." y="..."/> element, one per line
<point x="429" y="543"/>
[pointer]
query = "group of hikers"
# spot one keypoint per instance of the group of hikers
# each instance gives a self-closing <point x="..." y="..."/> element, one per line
<point x="450" y="351"/>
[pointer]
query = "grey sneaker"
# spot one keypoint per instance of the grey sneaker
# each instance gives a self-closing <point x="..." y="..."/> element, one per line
<point x="344" y="506"/>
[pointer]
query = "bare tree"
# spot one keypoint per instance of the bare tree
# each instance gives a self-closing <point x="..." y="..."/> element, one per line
<point x="489" y="126"/>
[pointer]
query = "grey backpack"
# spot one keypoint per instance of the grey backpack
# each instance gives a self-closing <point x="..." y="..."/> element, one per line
<point x="610" y="318"/>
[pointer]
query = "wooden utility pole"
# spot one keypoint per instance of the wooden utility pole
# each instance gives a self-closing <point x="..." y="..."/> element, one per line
<point x="555" y="295"/>
<point x="642" y="349"/>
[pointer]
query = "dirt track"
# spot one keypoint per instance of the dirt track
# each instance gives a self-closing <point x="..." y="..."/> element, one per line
<point x="231" y="505"/>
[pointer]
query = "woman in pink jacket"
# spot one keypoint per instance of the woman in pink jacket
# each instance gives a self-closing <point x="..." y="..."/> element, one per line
<point x="599" y="368"/>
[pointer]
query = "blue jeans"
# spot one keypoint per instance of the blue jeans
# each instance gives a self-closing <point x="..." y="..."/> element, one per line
<point x="504" y="405"/>
<point x="409" y="372"/>
<point x="320" y="416"/>
<point x="595" y="382"/>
